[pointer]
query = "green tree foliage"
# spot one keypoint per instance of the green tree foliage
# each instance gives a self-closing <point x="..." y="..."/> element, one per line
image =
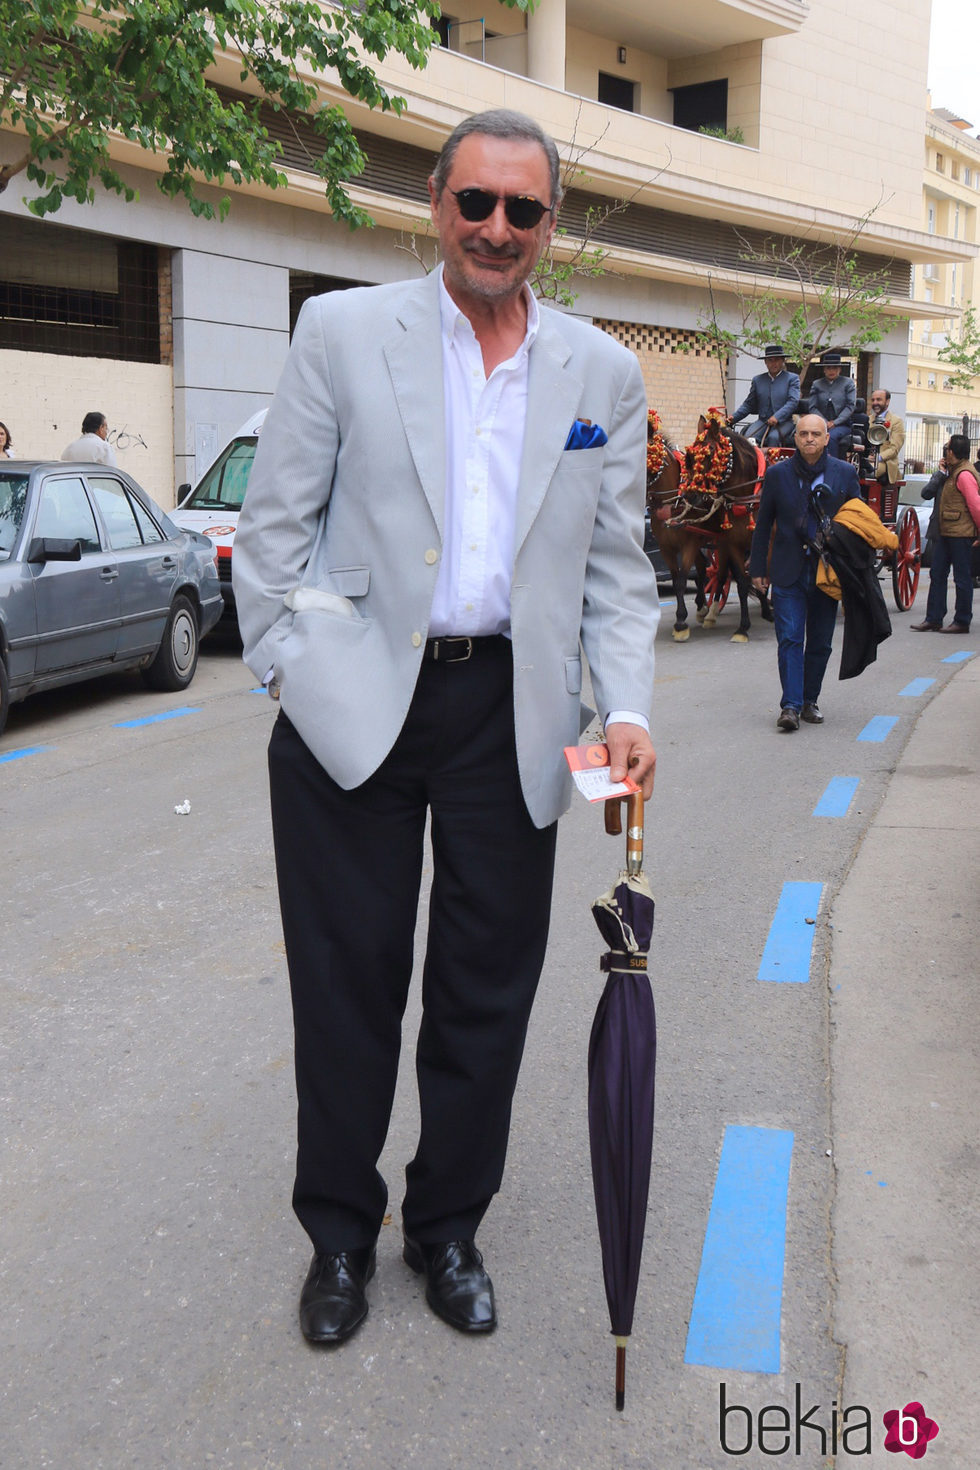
<point x="963" y="356"/>
<point x="75" y="76"/>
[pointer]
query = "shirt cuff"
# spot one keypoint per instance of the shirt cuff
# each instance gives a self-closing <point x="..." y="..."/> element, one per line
<point x="626" y="717"/>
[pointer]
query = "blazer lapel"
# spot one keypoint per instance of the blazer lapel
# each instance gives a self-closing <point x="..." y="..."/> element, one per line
<point x="413" y="353"/>
<point x="554" y="392"/>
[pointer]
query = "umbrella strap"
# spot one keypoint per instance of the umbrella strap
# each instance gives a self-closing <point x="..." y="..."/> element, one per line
<point x="621" y="962"/>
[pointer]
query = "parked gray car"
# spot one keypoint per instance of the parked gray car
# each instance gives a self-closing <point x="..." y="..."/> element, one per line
<point x="95" y="577"/>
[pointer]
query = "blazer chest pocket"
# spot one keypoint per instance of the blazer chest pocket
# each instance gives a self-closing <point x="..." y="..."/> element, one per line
<point x="349" y="581"/>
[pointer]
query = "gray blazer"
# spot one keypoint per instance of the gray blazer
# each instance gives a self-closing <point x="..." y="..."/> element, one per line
<point x="346" y="497"/>
<point x="833" y="399"/>
<point x="777" y="396"/>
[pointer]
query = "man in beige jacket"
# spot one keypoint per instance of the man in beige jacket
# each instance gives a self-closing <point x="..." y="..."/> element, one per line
<point x="889" y="461"/>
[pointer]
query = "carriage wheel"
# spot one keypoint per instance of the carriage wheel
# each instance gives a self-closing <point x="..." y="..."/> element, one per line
<point x="712" y="591"/>
<point x="906" y="560"/>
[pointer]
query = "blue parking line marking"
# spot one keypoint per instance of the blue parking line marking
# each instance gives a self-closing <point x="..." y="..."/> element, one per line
<point x="170" y="714"/>
<point x="879" y="728"/>
<point x="16" y="755"/>
<point x="789" y="947"/>
<point x="958" y="658"/>
<point x="735" y="1320"/>
<point x="917" y="687"/>
<point x="837" y="797"/>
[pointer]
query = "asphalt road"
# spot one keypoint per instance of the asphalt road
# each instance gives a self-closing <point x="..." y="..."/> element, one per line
<point x="149" y="1261"/>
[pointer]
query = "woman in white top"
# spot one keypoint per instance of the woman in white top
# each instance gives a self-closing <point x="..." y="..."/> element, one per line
<point x="5" y="445"/>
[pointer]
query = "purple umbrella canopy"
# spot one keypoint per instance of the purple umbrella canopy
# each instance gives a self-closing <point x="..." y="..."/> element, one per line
<point x="622" y="1063"/>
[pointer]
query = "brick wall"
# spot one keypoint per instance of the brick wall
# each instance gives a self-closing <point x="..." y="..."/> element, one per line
<point x="682" y="377"/>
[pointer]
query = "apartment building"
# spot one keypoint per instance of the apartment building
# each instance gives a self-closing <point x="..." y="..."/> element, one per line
<point x="178" y="327"/>
<point x="950" y="200"/>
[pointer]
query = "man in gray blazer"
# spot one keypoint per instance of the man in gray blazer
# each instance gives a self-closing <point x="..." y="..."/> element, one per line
<point x="833" y="397"/>
<point x="446" y="507"/>
<point x="772" y="400"/>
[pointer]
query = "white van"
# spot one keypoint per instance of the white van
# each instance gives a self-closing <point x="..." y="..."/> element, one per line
<point x="212" y="507"/>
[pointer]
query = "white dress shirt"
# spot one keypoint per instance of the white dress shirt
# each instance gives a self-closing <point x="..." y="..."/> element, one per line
<point x="485" y="424"/>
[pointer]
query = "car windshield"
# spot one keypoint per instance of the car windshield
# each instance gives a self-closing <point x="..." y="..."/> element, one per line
<point x="13" y="498"/>
<point x="223" y="486"/>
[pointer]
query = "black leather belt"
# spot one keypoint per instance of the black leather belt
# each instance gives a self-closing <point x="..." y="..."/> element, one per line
<point x="461" y="650"/>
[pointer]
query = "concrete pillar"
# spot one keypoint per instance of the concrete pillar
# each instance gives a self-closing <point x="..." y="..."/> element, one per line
<point x="546" y="44"/>
<point x="231" y="335"/>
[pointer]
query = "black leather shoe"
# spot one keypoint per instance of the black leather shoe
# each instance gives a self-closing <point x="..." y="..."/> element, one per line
<point x="788" y="719"/>
<point x="457" y="1287"/>
<point x="332" y="1303"/>
<point x="811" y="714"/>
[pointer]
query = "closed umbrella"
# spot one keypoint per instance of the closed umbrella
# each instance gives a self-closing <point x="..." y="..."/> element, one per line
<point x="622" y="1061"/>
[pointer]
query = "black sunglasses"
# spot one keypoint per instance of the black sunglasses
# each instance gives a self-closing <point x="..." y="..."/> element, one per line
<point x="523" y="211"/>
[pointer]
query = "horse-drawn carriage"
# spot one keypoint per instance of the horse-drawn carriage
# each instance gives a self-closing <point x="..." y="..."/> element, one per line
<point x="702" y="505"/>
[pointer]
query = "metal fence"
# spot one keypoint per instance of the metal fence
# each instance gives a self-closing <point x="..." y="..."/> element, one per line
<point x="924" y="439"/>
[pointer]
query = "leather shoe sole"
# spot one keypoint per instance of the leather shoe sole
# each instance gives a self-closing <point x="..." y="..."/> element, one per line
<point x="457" y="1287"/>
<point x="333" y="1303"/>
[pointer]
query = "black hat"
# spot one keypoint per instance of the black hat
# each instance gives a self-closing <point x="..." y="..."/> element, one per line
<point x="774" y="351"/>
<point x="831" y="359"/>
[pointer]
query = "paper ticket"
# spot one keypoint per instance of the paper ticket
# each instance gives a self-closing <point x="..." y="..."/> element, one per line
<point x="589" y="765"/>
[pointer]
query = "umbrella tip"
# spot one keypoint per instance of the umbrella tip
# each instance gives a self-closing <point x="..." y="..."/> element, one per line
<point x="620" y="1399"/>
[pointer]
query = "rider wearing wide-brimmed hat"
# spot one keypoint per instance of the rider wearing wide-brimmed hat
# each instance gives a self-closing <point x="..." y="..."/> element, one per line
<point x="773" y="398"/>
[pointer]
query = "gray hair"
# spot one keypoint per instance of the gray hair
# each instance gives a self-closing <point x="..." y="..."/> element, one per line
<point x="501" y="122"/>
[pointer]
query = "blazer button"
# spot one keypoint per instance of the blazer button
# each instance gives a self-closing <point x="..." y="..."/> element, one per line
<point x="416" y="639"/>
<point x="431" y="556"/>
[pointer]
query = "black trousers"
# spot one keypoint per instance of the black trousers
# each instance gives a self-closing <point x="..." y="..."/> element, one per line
<point x="349" y="866"/>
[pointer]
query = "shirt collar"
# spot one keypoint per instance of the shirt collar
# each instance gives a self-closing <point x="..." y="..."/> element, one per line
<point x="453" y="320"/>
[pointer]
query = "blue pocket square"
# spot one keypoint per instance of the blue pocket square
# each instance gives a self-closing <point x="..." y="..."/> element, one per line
<point x="583" y="435"/>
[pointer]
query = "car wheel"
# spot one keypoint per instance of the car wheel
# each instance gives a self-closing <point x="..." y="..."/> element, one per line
<point x="176" y="659"/>
<point x="4" y="696"/>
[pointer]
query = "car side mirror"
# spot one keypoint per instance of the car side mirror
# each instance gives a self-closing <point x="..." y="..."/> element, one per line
<point x="183" y="490"/>
<point x="53" y="548"/>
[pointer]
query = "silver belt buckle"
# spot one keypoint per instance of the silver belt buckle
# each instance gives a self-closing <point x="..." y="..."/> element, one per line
<point x="462" y="658"/>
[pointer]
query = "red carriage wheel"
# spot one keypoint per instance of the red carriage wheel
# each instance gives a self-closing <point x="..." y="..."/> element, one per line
<point x="906" y="560"/>
<point x="712" y="591"/>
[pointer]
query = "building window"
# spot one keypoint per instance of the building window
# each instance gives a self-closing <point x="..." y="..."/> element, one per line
<point x="931" y="219"/>
<point x="931" y="380"/>
<point x="940" y="164"/>
<point x="442" y="25"/>
<point x="704" y="105"/>
<point x="952" y="286"/>
<point x="79" y="294"/>
<point x="956" y="222"/>
<point x="954" y="169"/>
<point x="968" y="177"/>
<point x="617" y="92"/>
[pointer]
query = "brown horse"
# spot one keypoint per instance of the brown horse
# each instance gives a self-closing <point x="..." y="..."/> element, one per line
<point x="719" y="492"/>
<point x="682" y="552"/>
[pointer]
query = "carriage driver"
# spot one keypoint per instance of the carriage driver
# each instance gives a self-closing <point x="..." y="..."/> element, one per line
<point x="773" y="398"/>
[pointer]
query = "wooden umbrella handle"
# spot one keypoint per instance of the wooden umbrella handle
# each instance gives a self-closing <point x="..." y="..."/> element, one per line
<point x="634" y="826"/>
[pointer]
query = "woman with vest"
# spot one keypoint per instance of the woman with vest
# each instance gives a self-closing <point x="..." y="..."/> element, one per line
<point x="958" y="511"/>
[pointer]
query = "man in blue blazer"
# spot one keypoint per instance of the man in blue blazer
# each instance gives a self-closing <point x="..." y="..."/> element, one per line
<point x="773" y="398"/>
<point x="796" y="494"/>
<point x="445" y="511"/>
<point x="833" y="397"/>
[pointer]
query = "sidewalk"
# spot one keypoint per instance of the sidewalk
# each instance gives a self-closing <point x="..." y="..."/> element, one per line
<point x="905" y="1063"/>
